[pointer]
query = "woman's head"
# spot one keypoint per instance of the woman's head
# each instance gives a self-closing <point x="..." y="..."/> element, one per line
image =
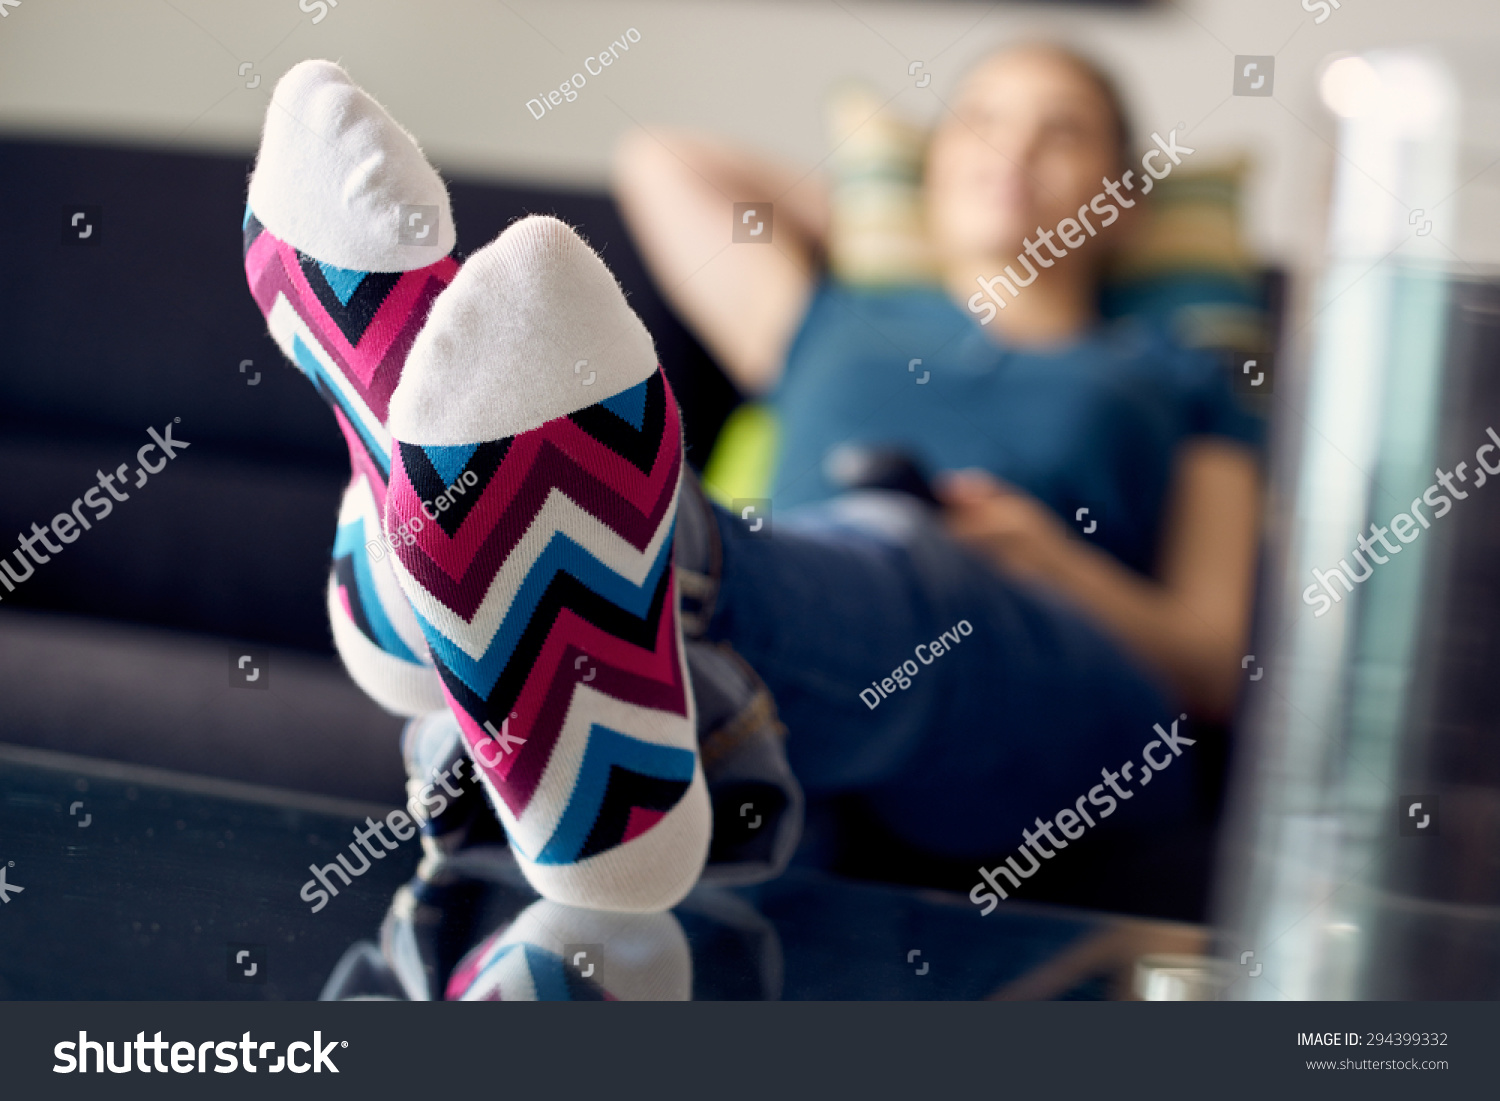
<point x="1032" y="135"/>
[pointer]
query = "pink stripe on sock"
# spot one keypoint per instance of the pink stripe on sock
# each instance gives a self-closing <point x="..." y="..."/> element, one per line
<point x="374" y="367"/>
<point x="275" y="280"/>
<point x="637" y="488"/>
<point x="262" y="255"/>
<point x="387" y="373"/>
<point x="361" y="462"/>
<point x="384" y="327"/>
<point x="458" y="570"/>
<point x="641" y="819"/>
<point x="466" y="972"/>
<point x="621" y="671"/>
<point x="532" y="469"/>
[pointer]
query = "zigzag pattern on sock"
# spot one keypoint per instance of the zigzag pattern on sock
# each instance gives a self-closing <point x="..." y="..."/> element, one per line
<point x="543" y="586"/>
<point x="367" y="591"/>
<point x="350" y="332"/>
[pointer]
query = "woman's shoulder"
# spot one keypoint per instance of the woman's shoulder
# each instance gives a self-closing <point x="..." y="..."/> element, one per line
<point x="844" y="323"/>
<point x="1199" y="378"/>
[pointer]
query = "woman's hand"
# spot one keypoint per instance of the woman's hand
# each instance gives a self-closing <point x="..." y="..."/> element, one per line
<point x="1190" y="621"/>
<point x="1005" y="525"/>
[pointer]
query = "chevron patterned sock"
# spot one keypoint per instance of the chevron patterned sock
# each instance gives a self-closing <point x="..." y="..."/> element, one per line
<point x="532" y="509"/>
<point x="344" y="291"/>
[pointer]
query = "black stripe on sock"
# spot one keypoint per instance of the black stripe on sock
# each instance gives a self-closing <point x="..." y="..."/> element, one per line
<point x="564" y="591"/>
<point x="355" y="317"/>
<point x="429" y="484"/>
<point x="639" y="448"/>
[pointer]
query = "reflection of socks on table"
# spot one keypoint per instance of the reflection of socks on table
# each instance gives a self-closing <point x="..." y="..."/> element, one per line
<point x="344" y="298"/>
<point x="543" y="585"/>
<point x="554" y="953"/>
<point x="471" y="929"/>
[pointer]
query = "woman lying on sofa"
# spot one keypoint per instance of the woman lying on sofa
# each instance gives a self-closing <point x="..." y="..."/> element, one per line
<point x="1099" y="485"/>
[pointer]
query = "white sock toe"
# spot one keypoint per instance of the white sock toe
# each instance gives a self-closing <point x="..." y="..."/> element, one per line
<point x="533" y="328"/>
<point x="335" y="172"/>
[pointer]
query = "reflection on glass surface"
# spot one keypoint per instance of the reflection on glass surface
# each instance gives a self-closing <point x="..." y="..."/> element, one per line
<point x="175" y="873"/>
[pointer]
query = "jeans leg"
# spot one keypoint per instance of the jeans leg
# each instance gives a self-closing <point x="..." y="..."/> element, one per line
<point x="1015" y="720"/>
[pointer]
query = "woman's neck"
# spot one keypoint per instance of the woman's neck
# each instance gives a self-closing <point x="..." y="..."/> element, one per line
<point x="1057" y="305"/>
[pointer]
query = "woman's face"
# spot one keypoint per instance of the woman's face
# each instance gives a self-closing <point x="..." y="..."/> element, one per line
<point x="1029" y="141"/>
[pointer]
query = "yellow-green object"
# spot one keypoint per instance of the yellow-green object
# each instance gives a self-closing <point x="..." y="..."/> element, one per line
<point x="743" y="461"/>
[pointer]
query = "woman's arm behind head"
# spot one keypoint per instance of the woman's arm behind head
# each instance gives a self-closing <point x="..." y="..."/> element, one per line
<point x="744" y="301"/>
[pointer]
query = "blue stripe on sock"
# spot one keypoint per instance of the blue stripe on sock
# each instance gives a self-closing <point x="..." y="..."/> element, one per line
<point x="449" y="462"/>
<point x="350" y="540"/>
<point x="562" y="555"/>
<point x="606" y="749"/>
<point x="629" y="405"/>
<point x="344" y="281"/>
<point x="313" y="369"/>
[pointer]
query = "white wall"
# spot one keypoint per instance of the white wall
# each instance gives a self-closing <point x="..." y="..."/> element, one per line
<point x="458" y="73"/>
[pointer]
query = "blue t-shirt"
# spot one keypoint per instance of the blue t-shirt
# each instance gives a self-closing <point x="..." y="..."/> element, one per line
<point x="1093" y="424"/>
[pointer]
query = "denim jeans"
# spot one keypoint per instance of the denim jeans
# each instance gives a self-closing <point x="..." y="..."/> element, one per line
<point x="1011" y="719"/>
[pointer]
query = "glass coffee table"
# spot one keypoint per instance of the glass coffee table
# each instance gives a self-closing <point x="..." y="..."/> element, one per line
<point x="124" y="882"/>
